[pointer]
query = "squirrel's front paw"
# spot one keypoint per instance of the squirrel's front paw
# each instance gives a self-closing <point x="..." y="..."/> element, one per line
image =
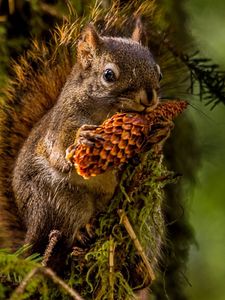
<point x="87" y="135"/>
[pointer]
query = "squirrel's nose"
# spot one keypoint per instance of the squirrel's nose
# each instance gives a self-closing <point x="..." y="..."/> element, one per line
<point x="147" y="99"/>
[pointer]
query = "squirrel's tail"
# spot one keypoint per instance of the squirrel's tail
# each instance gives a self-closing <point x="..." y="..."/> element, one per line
<point x="37" y="81"/>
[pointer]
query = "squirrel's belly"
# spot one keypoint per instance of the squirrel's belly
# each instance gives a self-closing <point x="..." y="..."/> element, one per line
<point x="102" y="185"/>
<point x="91" y="196"/>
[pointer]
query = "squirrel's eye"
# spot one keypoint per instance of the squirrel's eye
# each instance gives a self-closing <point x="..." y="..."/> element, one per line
<point x="109" y="75"/>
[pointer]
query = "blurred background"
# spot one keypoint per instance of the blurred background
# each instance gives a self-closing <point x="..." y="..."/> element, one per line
<point x="205" y="21"/>
<point x="206" y="268"/>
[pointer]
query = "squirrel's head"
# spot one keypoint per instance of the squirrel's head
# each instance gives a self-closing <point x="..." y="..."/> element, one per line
<point x="118" y="74"/>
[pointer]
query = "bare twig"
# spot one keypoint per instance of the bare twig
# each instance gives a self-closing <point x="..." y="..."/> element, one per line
<point x="49" y="273"/>
<point x="22" y="287"/>
<point x="111" y="267"/>
<point x="125" y="221"/>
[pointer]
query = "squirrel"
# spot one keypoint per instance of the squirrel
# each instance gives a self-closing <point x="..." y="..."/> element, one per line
<point x="41" y="191"/>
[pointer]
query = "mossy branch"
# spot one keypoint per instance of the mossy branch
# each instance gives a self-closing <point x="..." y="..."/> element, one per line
<point x="119" y="261"/>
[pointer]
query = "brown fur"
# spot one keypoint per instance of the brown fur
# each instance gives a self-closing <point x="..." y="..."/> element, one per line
<point x="39" y="120"/>
<point x="28" y="97"/>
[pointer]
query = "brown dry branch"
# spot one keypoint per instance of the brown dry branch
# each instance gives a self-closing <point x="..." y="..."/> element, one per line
<point x="48" y="273"/>
<point x="125" y="221"/>
<point x="51" y="274"/>
<point x="22" y="287"/>
<point x="111" y="267"/>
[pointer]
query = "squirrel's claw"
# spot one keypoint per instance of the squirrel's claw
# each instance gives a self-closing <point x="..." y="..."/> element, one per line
<point x="87" y="135"/>
<point x="86" y="235"/>
<point x="70" y="151"/>
<point x="90" y="230"/>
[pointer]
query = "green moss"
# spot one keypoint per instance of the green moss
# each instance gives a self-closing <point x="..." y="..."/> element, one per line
<point x="140" y="195"/>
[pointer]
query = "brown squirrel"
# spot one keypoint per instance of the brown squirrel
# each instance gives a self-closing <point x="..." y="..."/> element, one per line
<point x="111" y="74"/>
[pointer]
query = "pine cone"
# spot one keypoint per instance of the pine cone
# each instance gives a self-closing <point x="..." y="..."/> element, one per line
<point x="122" y="137"/>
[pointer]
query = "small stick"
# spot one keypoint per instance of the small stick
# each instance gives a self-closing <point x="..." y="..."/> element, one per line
<point x="49" y="273"/>
<point x="111" y="267"/>
<point x="125" y="221"/>
<point x="21" y="288"/>
<point x="54" y="236"/>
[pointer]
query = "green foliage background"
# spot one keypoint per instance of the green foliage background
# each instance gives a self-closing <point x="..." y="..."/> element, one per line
<point x="206" y="270"/>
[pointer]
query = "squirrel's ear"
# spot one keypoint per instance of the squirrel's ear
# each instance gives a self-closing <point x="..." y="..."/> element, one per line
<point x="88" y="45"/>
<point x="138" y="34"/>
